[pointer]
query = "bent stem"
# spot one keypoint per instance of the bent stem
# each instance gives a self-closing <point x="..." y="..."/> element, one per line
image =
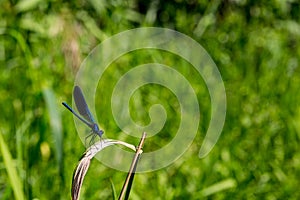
<point x="85" y="160"/>
<point x="84" y="163"/>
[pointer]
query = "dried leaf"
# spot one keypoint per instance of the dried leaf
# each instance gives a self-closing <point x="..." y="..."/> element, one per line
<point x="85" y="161"/>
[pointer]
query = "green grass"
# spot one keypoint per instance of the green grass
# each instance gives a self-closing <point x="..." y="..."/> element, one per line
<point x="255" y="46"/>
<point x="10" y="167"/>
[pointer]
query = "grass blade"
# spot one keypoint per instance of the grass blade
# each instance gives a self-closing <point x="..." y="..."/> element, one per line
<point x="113" y="189"/>
<point x="218" y="187"/>
<point x="56" y="127"/>
<point x="14" y="178"/>
<point x="26" y="5"/>
<point x="22" y="154"/>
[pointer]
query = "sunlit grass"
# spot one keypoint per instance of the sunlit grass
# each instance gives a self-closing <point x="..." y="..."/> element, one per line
<point x="255" y="46"/>
<point x="11" y="169"/>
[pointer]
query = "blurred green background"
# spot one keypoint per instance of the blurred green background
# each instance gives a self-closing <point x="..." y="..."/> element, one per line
<point x="256" y="46"/>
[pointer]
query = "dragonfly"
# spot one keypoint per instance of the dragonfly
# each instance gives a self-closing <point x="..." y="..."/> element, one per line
<point x="86" y="116"/>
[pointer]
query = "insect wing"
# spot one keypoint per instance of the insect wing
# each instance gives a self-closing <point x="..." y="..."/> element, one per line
<point x="81" y="105"/>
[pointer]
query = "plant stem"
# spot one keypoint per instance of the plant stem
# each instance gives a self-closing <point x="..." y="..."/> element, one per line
<point x="129" y="179"/>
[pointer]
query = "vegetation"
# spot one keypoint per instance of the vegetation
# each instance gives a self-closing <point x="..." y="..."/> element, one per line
<point x="256" y="46"/>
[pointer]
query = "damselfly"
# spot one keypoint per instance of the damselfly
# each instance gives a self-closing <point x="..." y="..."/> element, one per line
<point x="84" y="111"/>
